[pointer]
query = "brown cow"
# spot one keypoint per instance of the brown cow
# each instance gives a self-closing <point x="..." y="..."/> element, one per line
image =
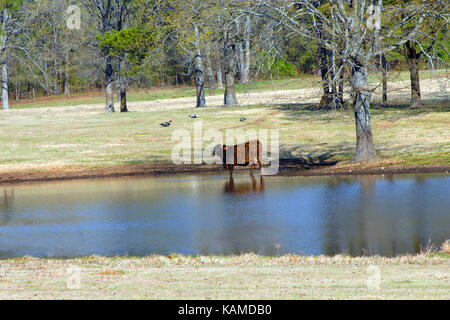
<point x="249" y="153"/>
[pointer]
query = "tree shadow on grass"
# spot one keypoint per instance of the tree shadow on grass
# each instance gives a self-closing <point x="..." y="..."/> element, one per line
<point x="395" y="110"/>
<point x="391" y="111"/>
<point x="318" y="155"/>
<point x="305" y="111"/>
<point x="428" y="105"/>
<point x="297" y="109"/>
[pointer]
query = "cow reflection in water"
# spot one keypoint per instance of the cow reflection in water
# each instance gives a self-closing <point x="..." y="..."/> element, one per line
<point x="245" y="187"/>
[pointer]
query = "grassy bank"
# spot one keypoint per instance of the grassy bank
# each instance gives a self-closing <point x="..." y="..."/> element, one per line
<point x="236" y="277"/>
<point x="67" y="141"/>
<point x="34" y="141"/>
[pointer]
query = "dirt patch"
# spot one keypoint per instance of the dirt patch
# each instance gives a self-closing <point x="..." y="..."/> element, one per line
<point x="376" y="168"/>
<point x="287" y="168"/>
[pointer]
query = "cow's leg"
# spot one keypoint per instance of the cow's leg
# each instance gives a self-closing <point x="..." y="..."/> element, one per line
<point x="230" y="168"/>
<point x="254" y="184"/>
<point x="261" y="166"/>
<point x="231" y="184"/>
<point x="252" y="169"/>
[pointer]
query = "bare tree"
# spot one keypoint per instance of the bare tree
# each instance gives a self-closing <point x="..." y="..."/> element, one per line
<point x="110" y="15"/>
<point x="413" y="58"/>
<point x="5" y="18"/>
<point x="192" y="32"/>
<point x="384" y="69"/>
<point x="104" y="11"/>
<point x="425" y="43"/>
<point x="230" y="57"/>
<point x="8" y="29"/>
<point x="218" y="66"/>
<point x="353" y="30"/>
<point x="198" y="70"/>
<point x="245" y="72"/>
<point x="120" y="15"/>
<point x="210" y="73"/>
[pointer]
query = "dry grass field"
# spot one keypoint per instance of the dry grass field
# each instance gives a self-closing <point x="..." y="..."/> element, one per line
<point x="235" y="277"/>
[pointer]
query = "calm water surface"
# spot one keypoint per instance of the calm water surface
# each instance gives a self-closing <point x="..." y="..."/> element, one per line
<point x="208" y="214"/>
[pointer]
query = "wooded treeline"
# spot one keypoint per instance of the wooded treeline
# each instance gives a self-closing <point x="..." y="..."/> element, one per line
<point x="53" y="47"/>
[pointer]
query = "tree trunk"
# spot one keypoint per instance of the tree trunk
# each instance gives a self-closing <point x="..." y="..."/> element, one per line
<point x="241" y="62"/>
<point x="67" y="75"/>
<point x="211" y="82"/>
<point x="412" y="57"/>
<point x="66" y="84"/>
<point x="199" y="75"/>
<point x="56" y="66"/>
<point x="5" y="96"/>
<point x="123" y="96"/>
<point x="326" y="99"/>
<point x="246" y="66"/>
<point x="3" y="39"/>
<point x="341" y="82"/>
<point x="17" y="89"/>
<point x="240" y="52"/>
<point x="336" y="102"/>
<point x="230" y="71"/>
<point x="109" y="85"/>
<point x="384" y="71"/>
<point x="199" y="81"/>
<point x="230" y="90"/>
<point x="365" y="149"/>
<point x="122" y="85"/>
<point x="219" y="76"/>
<point x="67" y="69"/>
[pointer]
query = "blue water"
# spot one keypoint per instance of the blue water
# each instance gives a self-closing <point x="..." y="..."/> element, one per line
<point x="208" y="214"/>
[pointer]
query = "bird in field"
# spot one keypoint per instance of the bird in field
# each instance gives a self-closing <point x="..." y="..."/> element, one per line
<point x="166" y="124"/>
<point x="243" y="119"/>
<point x="193" y="116"/>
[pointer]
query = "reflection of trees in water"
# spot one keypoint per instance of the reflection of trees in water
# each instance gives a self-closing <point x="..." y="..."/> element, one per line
<point x="389" y="220"/>
<point x="331" y="244"/>
<point x="418" y="207"/>
<point x="415" y="208"/>
<point x="334" y="183"/>
<point x="356" y="243"/>
<point x="365" y="204"/>
<point x="6" y="206"/>
<point x="334" y="212"/>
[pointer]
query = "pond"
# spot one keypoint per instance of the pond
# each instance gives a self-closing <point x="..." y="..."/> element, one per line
<point x="209" y="214"/>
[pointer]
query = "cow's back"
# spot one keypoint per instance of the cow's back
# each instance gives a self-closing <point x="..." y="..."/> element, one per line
<point x="244" y="154"/>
